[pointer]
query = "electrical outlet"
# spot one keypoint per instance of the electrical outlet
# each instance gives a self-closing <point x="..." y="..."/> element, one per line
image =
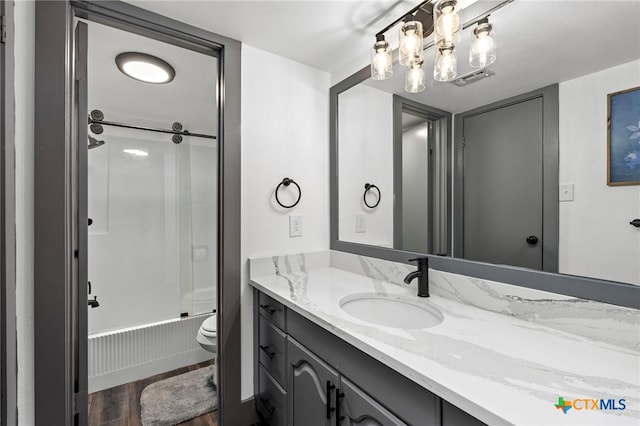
<point x="361" y="223"/>
<point x="566" y="192"/>
<point x="295" y="226"/>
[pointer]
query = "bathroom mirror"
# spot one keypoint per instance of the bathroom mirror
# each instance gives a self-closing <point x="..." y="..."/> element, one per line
<point x="442" y="187"/>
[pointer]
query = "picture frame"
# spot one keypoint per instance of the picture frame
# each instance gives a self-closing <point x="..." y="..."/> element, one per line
<point x="623" y="137"/>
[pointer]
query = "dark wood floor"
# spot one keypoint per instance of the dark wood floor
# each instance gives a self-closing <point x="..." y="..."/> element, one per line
<point x="120" y="406"/>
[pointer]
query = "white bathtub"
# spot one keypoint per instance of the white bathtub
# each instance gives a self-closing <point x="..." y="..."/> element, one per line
<point x="122" y="356"/>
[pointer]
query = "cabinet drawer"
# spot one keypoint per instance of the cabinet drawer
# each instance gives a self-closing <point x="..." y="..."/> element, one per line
<point x="272" y="350"/>
<point x="272" y="400"/>
<point x="273" y="310"/>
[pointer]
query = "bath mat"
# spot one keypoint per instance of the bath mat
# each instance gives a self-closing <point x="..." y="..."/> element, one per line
<point x="179" y="398"/>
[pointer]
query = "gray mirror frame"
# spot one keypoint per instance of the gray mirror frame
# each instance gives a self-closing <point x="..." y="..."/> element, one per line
<point x="612" y="292"/>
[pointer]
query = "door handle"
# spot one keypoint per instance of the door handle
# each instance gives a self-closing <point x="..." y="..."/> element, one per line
<point x="330" y="409"/>
<point x="339" y="416"/>
<point x="635" y="222"/>
<point x="532" y="240"/>
<point x="269" y="309"/>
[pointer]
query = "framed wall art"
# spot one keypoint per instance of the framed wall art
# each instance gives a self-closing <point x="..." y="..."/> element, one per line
<point x="623" y="137"/>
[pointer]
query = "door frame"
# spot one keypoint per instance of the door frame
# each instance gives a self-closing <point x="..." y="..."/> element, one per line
<point x="8" y="334"/>
<point x="58" y="400"/>
<point x="550" y="172"/>
<point x="400" y="104"/>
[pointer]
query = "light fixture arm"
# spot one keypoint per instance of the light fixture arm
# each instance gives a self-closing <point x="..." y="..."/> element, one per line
<point x="410" y="13"/>
<point x="474" y="21"/>
<point x="486" y="14"/>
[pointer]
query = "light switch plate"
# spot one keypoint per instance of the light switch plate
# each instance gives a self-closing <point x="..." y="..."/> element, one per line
<point x="295" y="226"/>
<point x="566" y="192"/>
<point x="361" y="223"/>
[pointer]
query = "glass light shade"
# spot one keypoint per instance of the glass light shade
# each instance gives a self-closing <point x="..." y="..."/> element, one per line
<point x="447" y="23"/>
<point x="415" y="77"/>
<point x="483" y="46"/>
<point x="381" y="60"/>
<point x="410" y="42"/>
<point x="446" y="67"/>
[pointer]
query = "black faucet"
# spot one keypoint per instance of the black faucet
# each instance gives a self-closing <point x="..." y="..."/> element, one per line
<point x="422" y="274"/>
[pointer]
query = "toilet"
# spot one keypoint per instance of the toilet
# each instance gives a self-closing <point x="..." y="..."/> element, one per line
<point x="207" y="337"/>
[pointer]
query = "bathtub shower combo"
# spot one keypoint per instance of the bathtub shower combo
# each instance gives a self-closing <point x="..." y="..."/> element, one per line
<point x="152" y="252"/>
<point x="152" y="173"/>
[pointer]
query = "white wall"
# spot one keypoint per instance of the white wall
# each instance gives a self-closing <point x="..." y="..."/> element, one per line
<point x="24" y="140"/>
<point x="285" y="133"/>
<point x="595" y="236"/>
<point x="366" y="156"/>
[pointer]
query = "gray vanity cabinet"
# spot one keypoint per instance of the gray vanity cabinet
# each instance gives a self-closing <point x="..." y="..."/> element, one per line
<point x="310" y="387"/>
<point x="307" y="376"/>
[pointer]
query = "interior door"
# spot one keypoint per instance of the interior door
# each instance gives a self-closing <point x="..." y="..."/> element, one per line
<point x="503" y="185"/>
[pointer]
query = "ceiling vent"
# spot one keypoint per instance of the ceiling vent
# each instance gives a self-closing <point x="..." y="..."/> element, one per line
<point x="472" y="77"/>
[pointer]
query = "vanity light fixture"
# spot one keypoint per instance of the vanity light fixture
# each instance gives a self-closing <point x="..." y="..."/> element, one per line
<point x="144" y="67"/>
<point x="415" y="77"/>
<point x="483" y="46"/>
<point x="411" y="36"/>
<point x="441" y="18"/>
<point x="381" y="62"/>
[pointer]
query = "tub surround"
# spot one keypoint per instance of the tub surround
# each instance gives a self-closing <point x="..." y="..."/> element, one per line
<point x="504" y="354"/>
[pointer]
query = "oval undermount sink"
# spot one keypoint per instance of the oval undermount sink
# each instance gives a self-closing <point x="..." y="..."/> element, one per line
<point x="391" y="310"/>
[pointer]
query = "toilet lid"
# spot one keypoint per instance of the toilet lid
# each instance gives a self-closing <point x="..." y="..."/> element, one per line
<point x="210" y="324"/>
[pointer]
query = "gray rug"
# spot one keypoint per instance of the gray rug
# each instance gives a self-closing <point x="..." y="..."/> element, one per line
<point x="179" y="398"/>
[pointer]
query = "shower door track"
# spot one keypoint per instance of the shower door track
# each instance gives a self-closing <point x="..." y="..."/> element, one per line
<point x="149" y="129"/>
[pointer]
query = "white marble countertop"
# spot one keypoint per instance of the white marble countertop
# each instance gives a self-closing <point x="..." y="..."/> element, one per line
<point x="500" y="369"/>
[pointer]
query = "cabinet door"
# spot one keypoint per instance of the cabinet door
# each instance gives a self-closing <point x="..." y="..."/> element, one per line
<point x="308" y="397"/>
<point x="360" y="409"/>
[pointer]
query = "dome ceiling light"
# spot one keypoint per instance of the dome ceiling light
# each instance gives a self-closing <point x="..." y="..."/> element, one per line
<point x="144" y="67"/>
